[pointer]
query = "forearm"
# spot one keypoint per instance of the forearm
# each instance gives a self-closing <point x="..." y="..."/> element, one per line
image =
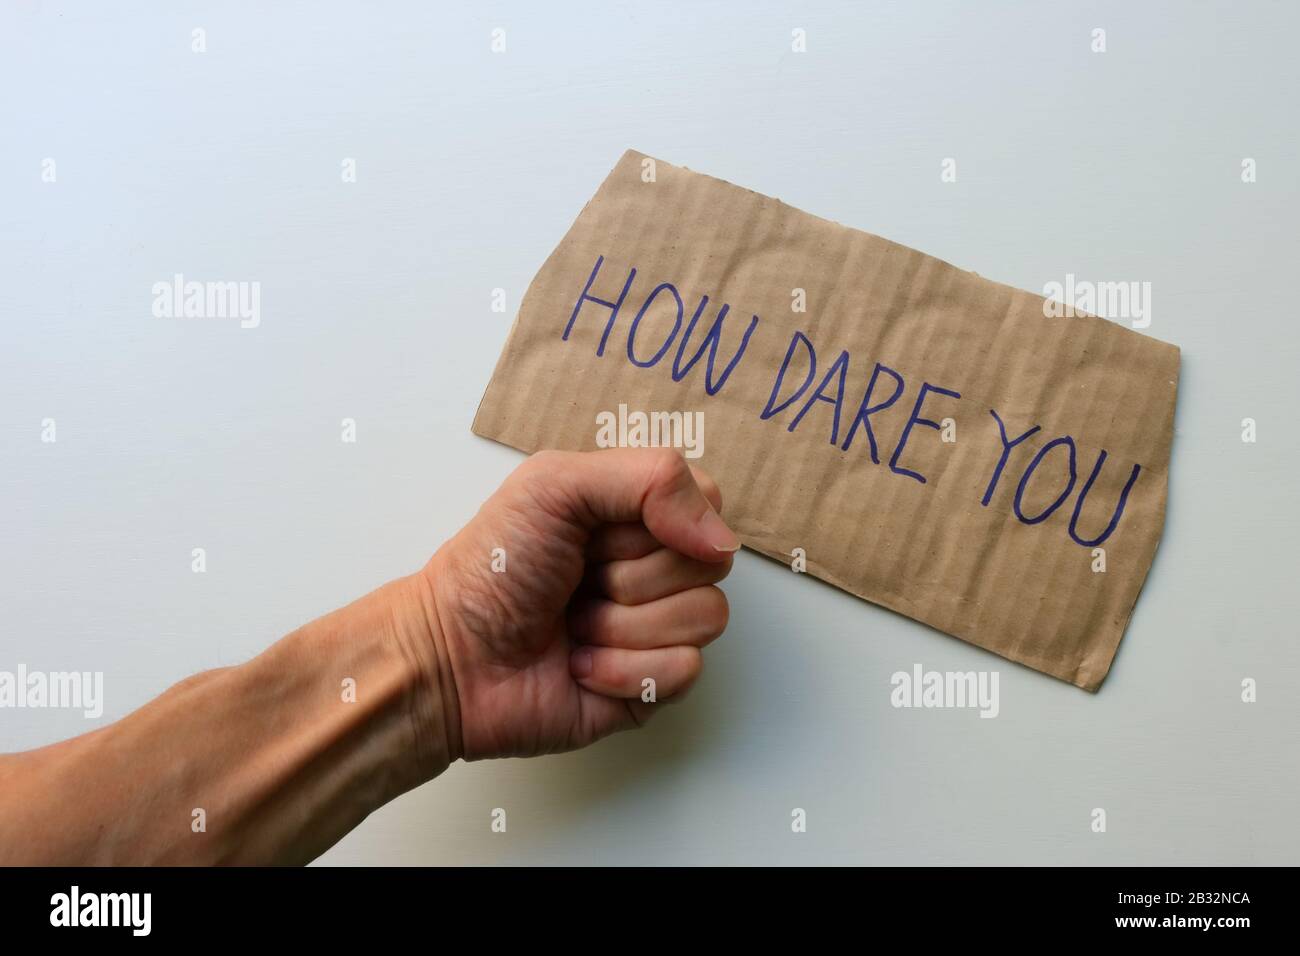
<point x="282" y="755"/>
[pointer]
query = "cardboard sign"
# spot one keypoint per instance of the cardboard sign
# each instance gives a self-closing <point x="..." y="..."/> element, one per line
<point x="924" y="438"/>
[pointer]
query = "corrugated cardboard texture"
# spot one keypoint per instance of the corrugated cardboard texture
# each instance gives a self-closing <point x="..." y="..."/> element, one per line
<point x="995" y="574"/>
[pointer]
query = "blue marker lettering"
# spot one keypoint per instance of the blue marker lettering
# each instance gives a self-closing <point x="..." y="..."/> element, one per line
<point x="1006" y="453"/>
<point x="866" y="409"/>
<point x="916" y="419"/>
<point x="770" y="409"/>
<point x="1024" y="481"/>
<point x="1119" y="509"/>
<point x="588" y="297"/>
<point x="677" y="324"/>
<point x="711" y="341"/>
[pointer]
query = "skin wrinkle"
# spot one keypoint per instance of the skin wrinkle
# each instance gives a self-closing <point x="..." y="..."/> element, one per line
<point x="453" y="728"/>
<point x="421" y="732"/>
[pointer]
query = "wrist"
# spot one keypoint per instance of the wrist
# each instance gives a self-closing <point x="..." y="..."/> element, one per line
<point x="426" y="648"/>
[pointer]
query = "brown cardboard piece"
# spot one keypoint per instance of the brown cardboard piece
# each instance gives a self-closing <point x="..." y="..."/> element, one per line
<point x="931" y="550"/>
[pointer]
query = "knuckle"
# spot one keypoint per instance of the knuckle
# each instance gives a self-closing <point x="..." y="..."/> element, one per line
<point x="692" y="665"/>
<point x="711" y="489"/>
<point x="718" y="570"/>
<point x="667" y="467"/>
<point x="605" y="617"/>
<point x="542" y="481"/>
<point x="528" y="472"/>
<point x="615" y="581"/>
<point x="716" y="612"/>
<point x="542" y="462"/>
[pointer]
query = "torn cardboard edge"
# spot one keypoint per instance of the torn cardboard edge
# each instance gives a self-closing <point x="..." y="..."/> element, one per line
<point x="930" y="440"/>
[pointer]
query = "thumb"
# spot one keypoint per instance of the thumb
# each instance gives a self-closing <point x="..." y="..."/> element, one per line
<point x="651" y="485"/>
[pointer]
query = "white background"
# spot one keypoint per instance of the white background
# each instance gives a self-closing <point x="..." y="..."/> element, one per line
<point x="376" y="306"/>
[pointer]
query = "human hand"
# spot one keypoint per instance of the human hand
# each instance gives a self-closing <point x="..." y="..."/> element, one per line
<point x="609" y="564"/>
<point x="606" y="580"/>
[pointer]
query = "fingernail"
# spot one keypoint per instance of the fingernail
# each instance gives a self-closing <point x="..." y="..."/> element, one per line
<point x="580" y="662"/>
<point x="717" y="533"/>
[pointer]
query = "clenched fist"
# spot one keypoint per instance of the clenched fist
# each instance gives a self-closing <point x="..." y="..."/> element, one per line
<point x="594" y="609"/>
